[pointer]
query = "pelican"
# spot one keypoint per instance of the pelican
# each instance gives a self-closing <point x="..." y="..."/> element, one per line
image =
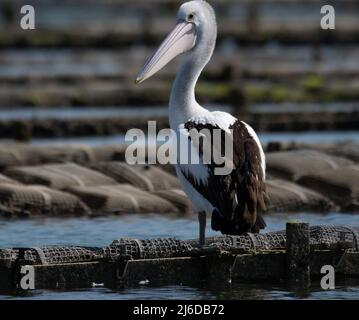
<point x="233" y="200"/>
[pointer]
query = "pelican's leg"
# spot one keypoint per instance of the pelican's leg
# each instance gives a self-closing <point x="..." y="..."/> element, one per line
<point x="202" y="218"/>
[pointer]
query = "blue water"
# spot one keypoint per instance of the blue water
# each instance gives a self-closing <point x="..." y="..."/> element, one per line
<point x="311" y="137"/>
<point x="83" y="112"/>
<point x="102" y="231"/>
<point x="230" y="291"/>
<point x="289" y="107"/>
<point x="26" y="113"/>
<point x="92" y="112"/>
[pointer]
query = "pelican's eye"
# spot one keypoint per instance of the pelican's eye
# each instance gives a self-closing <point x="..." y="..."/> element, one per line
<point x="190" y="17"/>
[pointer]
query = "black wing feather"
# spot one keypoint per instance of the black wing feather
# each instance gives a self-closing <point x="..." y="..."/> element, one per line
<point x="238" y="195"/>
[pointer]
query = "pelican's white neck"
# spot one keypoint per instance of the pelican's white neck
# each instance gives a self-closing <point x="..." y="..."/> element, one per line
<point x="183" y="104"/>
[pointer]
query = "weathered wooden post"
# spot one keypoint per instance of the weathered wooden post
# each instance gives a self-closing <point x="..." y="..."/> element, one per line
<point x="298" y="254"/>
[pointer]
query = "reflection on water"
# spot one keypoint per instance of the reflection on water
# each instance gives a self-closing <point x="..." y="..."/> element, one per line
<point x="103" y="230"/>
<point x="344" y="290"/>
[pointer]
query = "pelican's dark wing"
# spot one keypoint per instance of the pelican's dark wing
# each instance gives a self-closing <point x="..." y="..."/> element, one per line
<point x="236" y="196"/>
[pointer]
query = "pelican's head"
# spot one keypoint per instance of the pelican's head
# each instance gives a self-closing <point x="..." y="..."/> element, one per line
<point x="195" y="30"/>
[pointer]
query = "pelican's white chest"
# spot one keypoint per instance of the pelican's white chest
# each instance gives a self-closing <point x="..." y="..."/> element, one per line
<point x="199" y="202"/>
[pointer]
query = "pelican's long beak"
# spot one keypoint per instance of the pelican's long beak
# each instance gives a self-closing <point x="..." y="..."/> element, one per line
<point x="181" y="39"/>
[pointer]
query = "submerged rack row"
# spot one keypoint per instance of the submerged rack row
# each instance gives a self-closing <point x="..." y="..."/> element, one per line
<point x="74" y="180"/>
